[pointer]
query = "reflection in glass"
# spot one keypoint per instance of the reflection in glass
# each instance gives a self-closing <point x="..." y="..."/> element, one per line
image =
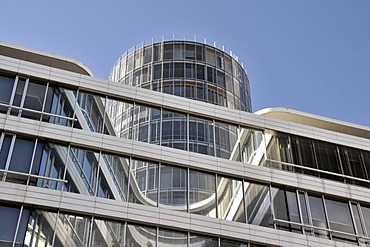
<point x="40" y="229"/>
<point x="252" y="146"/>
<point x="228" y="243"/>
<point x="318" y="215"/>
<point x="198" y="240"/>
<point x="75" y="230"/>
<point x="143" y="182"/>
<point x="138" y="236"/>
<point x="201" y="136"/>
<point x="107" y="233"/>
<point x="340" y="219"/>
<point x="174" y="130"/>
<point x="168" y="238"/>
<point x="202" y="193"/>
<point x="226" y="136"/>
<point x="230" y="199"/>
<point x="286" y="208"/>
<point x="258" y="204"/>
<point x="173" y="188"/>
<point x="119" y="169"/>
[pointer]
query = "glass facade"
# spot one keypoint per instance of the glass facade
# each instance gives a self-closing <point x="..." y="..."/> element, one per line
<point x="172" y="186"/>
<point x="186" y="69"/>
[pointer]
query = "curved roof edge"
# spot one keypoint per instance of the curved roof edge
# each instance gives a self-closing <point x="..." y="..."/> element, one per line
<point x="43" y="58"/>
<point x="316" y="121"/>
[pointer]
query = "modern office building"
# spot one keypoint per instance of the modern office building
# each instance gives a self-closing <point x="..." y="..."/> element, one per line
<point x="168" y="153"/>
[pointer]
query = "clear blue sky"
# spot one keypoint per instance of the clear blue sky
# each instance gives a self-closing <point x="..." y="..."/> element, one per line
<point x="308" y="55"/>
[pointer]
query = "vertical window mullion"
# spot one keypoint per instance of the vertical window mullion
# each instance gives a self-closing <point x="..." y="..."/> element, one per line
<point x="272" y="207"/>
<point x="216" y="192"/>
<point x="32" y="159"/>
<point x="326" y="216"/>
<point x="17" y="228"/>
<point x="44" y="102"/>
<point x="11" y="148"/>
<point x="24" y="93"/>
<point x="11" y="101"/>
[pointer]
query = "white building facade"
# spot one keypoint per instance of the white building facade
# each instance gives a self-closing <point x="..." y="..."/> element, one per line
<point x="91" y="162"/>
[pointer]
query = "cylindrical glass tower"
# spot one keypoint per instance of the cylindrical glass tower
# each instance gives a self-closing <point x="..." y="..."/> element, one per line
<point x="187" y="69"/>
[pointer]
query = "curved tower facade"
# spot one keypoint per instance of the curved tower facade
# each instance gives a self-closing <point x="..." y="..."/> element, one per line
<point x="186" y="69"/>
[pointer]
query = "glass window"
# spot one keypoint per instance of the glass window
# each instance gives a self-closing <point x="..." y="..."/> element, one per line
<point x="198" y="240"/>
<point x="221" y="79"/>
<point x="228" y="243"/>
<point x="167" y="51"/>
<point x="230" y="199"/>
<point x="366" y="216"/>
<point x="173" y="188"/>
<point x="179" y="51"/>
<point x="39" y="229"/>
<point x="21" y="163"/>
<point x="189" y="70"/>
<point x="138" y="236"/>
<point x="167" y="70"/>
<point x="157" y="52"/>
<point x="157" y="69"/>
<point x="5" y="146"/>
<point x="211" y="56"/>
<point x="179" y="70"/>
<point x="147" y="54"/>
<point x="179" y="88"/>
<point x="352" y="164"/>
<point x="190" y="51"/>
<point x="18" y="95"/>
<point x="252" y="146"/>
<point x="107" y="233"/>
<point x="75" y="229"/>
<point x="201" y="136"/>
<point x="169" y="238"/>
<point x="202" y="193"/>
<point x="318" y="215"/>
<point x="144" y="182"/>
<point x="118" y="170"/>
<point x="286" y="208"/>
<point x="327" y="159"/>
<point x="201" y="91"/>
<point x="227" y="144"/>
<point x="7" y="84"/>
<point x="174" y="130"/>
<point x="200" y="52"/>
<point x="200" y="72"/>
<point x="138" y="58"/>
<point x="340" y="219"/>
<point x="258" y="204"/>
<point x="130" y="62"/>
<point x="210" y="74"/>
<point x="86" y="163"/>
<point x="357" y="220"/>
<point x="228" y="67"/>
<point x="9" y="218"/>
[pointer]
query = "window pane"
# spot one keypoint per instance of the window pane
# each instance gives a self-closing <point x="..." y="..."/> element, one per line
<point x="7" y="84"/>
<point x="173" y="188"/>
<point x="286" y="208"/>
<point x="174" y="130"/>
<point x="168" y="51"/>
<point x="258" y="203"/>
<point x="75" y="229"/>
<point x="147" y="54"/>
<point x="230" y="199"/>
<point x="227" y="146"/>
<point x="138" y="236"/>
<point x="327" y="159"/>
<point x="190" y="51"/>
<point x="228" y="243"/>
<point x="21" y="163"/>
<point x="202" y="193"/>
<point x="197" y="240"/>
<point x="318" y="215"/>
<point x="107" y="233"/>
<point x="9" y="218"/>
<point x="168" y="238"/>
<point x="340" y="219"/>
<point x="40" y="228"/>
<point x="143" y="182"/>
<point x="34" y="99"/>
<point x="5" y="150"/>
<point x="201" y="136"/>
